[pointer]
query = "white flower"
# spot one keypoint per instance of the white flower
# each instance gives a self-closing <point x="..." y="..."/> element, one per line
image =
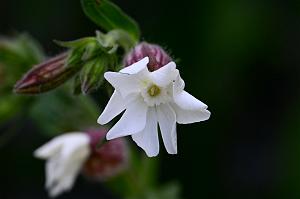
<point x="65" y="156"/>
<point x="150" y="98"/>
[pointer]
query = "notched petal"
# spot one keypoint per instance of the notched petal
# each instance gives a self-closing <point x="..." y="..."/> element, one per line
<point x="147" y="139"/>
<point x="167" y="123"/>
<point x="123" y="83"/>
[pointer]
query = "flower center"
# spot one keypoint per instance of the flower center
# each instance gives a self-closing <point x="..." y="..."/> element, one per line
<point x="154" y="90"/>
<point x="154" y="95"/>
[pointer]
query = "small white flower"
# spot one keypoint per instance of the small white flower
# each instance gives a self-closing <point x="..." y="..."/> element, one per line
<point x="65" y="156"/>
<point x="150" y="98"/>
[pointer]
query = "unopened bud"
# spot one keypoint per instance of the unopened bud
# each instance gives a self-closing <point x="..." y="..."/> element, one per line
<point x="91" y="75"/>
<point x="46" y="76"/>
<point x="106" y="160"/>
<point x="157" y="56"/>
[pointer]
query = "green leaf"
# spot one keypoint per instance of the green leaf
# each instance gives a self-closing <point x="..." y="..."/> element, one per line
<point x="109" y="16"/>
<point x="81" y="49"/>
<point x="75" y="43"/>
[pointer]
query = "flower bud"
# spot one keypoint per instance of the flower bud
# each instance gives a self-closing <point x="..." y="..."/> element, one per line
<point x="157" y="56"/>
<point x="106" y="160"/>
<point x="92" y="74"/>
<point x="46" y="76"/>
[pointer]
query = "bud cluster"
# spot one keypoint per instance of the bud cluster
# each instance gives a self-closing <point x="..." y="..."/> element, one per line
<point x="87" y="59"/>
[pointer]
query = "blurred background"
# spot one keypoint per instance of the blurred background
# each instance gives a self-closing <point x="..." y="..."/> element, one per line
<point x="239" y="57"/>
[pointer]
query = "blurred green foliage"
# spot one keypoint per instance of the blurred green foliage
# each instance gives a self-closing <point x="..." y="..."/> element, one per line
<point x="17" y="55"/>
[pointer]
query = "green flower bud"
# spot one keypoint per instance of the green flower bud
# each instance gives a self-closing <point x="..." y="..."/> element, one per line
<point x="92" y="73"/>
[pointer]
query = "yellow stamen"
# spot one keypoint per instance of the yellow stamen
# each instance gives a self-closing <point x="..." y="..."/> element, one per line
<point x="153" y="90"/>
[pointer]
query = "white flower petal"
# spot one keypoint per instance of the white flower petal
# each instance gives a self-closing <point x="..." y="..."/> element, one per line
<point x="188" y="102"/>
<point x="65" y="156"/>
<point x="113" y="108"/>
<point x="66" y="174"/>
<point x="64" y="184"/>
<point x="51" y="169"/>
<point x="132" y="121"/>
<point x="136" y="67"/>
<point x="56" y="190"/>
<point x="48" y="149"/>
<point x="124" y="83"/>
<point x="73" y="143"/>
<point x="67" y="179"/>
<point x="167" y="123"/>
<point x="165" y="75"/>
<point x="184" y="116"/>
<point x="178" y="85"/>
<point x="147" y="139"/>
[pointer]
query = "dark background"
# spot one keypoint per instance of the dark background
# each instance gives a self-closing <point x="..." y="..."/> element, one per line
<point x="239" y="57"/>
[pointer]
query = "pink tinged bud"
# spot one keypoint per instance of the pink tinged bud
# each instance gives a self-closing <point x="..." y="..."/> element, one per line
<point x="157" y="56"/>
<point x="108" y="160"/>
<point x="46" y="76"/>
